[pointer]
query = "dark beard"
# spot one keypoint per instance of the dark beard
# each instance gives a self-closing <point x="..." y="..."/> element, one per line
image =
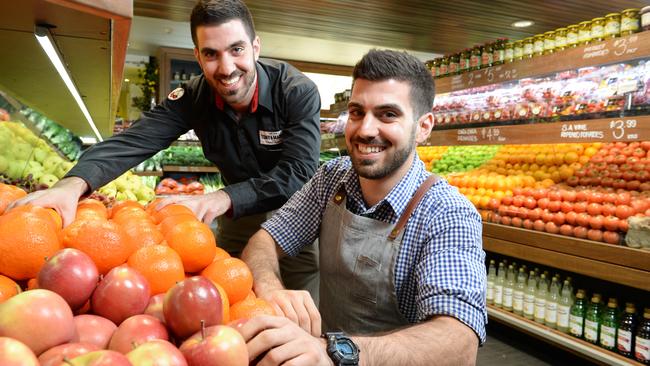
<point x="391" y="166"/>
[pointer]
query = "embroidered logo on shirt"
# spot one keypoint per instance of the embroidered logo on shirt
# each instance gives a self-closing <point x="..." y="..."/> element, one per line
<point x="176" y="94"/>
<point x="270" y="137"/>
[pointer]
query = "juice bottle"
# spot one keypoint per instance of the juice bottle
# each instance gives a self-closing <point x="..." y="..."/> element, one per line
<point x="642" y="343"/>
<point x="564" y="307"/>
<point x="609" y="325"/>
<point x="577" y="315"/>
<point x="518" y="293"/>
<point x="508" y="288"/>
<point x="540" y="299"/>
<point x="592" y="319"/>
<point x="626" y="330"/>
<point x="491" y="278"/>
<point x="550" y="317"/>
<point x="529" y="296"/>
<point x="498" y="285"/>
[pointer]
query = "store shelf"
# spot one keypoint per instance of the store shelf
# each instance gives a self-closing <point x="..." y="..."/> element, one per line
<point x="633" y="128"/>
<point x="190" y="169"/>
<point x="329" y="141"/>
<point x="557" y="338"/>
<point x="186" y="143"/>
<point x="150" y="173"/>
<point x="615" y="263"/>
<point x="609" y="51"/>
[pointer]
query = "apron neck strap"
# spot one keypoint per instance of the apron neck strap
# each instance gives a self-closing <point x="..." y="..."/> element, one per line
<point x="417" y="197"/>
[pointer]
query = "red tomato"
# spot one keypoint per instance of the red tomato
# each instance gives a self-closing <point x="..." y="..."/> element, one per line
<point x="530" y="203"/>
<point x="580" y="232"/>
<point x="569" y="196"/>
<point x="550" y="227"/>
<point x="506" y="200"/>
<point x="494" y="203"/>
<point x="583" y="219"/>
<point x="518" y="200"/>
<point x="496" y="218"/>
<point x="580" y="207"/>
<point x="517" y="191"/>
<point x="623" y="225"/>
<point x="611" y="223"/>
<point x="596" y="197"/>
<point x="554" y="195"/>
<point x="559" y="218"/>
<point x="596" y="222"/>
<point x="640" y="205"/>
<point x="554" y="206"/>
<point x="547" y="216"/>
<point x="506" y="220"/>
<point x="538" y="225"/>
<point x="539" y="193"/>
<point x="543" y="203"/>
<point x="522" y="213"/>
<point x="595" y="235"/>
<point x="566" y="207"/>
<point x="608" y="209"/>
<point x="624" y="211"/>
<point x="528" y="224"/>
<point x="502" y="210"/>
<point x="516" y="222"/>
<point x="571" y="217"/>
<point x="594" y="209"/>
<point x="535" y="214"/>
<point x="566" y="230"/>
<point x="581" y="196"/>
<point x="623" y="198"/>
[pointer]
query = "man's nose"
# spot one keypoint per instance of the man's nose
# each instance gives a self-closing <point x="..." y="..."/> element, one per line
<point x="226" y="66"/>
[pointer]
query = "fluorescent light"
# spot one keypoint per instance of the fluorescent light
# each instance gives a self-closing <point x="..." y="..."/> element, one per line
<point x="126" y="80"/>
<point x="88" y="140"/>
<point x="44" y="38"/>
<point x="522" y="23"/>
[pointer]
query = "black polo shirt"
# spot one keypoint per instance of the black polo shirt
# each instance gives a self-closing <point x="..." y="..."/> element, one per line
<point x="264" y="157"/>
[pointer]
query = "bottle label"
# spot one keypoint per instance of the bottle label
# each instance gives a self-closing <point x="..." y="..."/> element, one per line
<point x="563" y="316"/>
<point x="453" y="67"/>
<point x="549" y="44"/>
<point x="464" y="63"/>
<point x="613" y="28"/>
<point x="498" y="294"/>
<point x="538" y="46"/>
<point x="486" y="58"/>
<point x="490" y="290"/>
<point x="518" y="52"/>
<point x="474" y="61"/>
<point x="629" y="24"/>
<point x="607" y="336"/>
<point x="624" y="341"/>
<point x="575" y="325"/>
<point x="507" y="297"/>
<point x="518" y="301"/>
<point x="591" y="330"/>
<point x="509" y="54"/>
<point x="572" y="38"/>
<point x="584" y="35"/>
<point x="642" y="349"/>
<point x="597" y="31"/>
<point x="560" y="41"/>
<point x="443" y="69"/>
<point x="551" y="313"/>
<point x="540" y="308"/>
<point x="498" y="55"/>
<point x="528" y="49"/>
<point x="529" y="304"/>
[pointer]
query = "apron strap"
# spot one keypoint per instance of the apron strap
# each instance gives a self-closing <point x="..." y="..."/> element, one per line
<point x="339" y="196"/>
<point x="417" y="197"/>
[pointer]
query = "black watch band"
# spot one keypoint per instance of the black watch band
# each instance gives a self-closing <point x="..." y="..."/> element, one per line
<point x="342" y="349"/>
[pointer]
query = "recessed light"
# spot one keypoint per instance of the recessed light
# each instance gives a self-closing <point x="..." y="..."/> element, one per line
<point x="522" y="23"/>
<point x="126" y="80"/>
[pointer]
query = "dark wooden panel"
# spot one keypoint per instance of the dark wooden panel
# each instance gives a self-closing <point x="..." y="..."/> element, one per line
<point x="429" y="26"/>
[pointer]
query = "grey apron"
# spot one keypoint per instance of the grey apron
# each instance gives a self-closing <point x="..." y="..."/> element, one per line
<point x="357" y="264"/>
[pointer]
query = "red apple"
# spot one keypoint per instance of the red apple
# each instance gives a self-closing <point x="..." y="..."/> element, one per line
<point x="39" y="318"/>
<point x="123" y="292"/>
<point x="136" y="330"/>
<point x="55" y="355"/>
<point x="215" y="346"/>
<point x="16" y="353"/>
<point x="189" y="302"/>
<point x="155" y="307"/>
<point x="99" y="358"/>
<point x="156" y="352"/>
<point x="70" y="273"/>
<point x="93" y="329"/>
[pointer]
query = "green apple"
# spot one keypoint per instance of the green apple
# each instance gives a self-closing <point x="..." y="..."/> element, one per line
<point x="4" y="164"/>
<point x="40" y="154"/>
<point x="48" y="179"/>
<point x="15" y="169"/>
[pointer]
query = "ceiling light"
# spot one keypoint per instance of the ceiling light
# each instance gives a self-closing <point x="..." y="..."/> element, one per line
<point x="88" y="140"/>
<point x="44" y="38"/>
<point x="126" y="80"/>
<point x="522" y="23"/>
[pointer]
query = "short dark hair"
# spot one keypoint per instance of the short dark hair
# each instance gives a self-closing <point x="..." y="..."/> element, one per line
<point x="380" y="65"/>
<point x="216" y="12"/>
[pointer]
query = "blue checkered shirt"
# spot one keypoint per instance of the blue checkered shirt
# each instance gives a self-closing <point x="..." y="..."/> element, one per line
<point x="440" y="267"/>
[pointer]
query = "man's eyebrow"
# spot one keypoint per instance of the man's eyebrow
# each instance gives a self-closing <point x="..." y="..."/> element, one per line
<point x="234" y="44"/>
<point x="354" y="105"/>
<point x="390" y="106"/>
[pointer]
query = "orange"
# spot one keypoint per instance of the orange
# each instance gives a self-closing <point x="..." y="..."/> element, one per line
<point x="105" y="242"/>
<point x="142" y="233"/>
<point x="220" y="254"/>
<point x="25" y="241"/>
<point x="8" y="288"/>
<point x="130" y="214"/>
<point x="171" y="221"/>
<point x="160" y="265"/>
<point x="194" y="242"/>
<point x="233" y="275"/>
<point x="119" y="205"/>
<point x="248" y="309"/>
<point x="96" y="207"/>
<point x="170" y="210"/>
<point x="47" y="214"/>
<point x="32" y="284"/>
<point x="151" y="206"/>
<point x="225" y="304"/>
<point x="8" y="194"/>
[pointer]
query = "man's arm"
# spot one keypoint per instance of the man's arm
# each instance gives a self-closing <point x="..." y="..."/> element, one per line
<point x="442" y="340"/>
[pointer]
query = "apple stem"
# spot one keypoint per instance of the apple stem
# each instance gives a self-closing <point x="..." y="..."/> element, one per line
<point x="202" y="329"/>
<point x="134" y="345"/>
<point x="67" y="361"/>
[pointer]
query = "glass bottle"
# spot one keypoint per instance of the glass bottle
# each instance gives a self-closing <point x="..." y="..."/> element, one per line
<point x="572" y="35"/>
<point x="612" y="25"/>
<point x="529" y="296"/>
<point x="577" y="315"/>
<point x="436" y="67"/>
<point x="499" y="51"/>
<point x="518" y="50"/>
<point x="549" y="42"/>
<point x="592" y="319"/>
<point x="487" y="54"/>
<point x="463" y="61"/>
<point x="518" y="293"/>
<point x="498" y="285"/>
<point x="453" y="64"/>
<point x="629" y="21"/>
<point x="508" y="52"/>
<point x="642" y="342"/>
<point x="550" y="316"/>
<point x="509" y="288"/>
<point x="597" y="29"/>
<point x="564" y="307"/>
<point x="444" y="66"/>
<point x="528" y="47"/>
<point x="538" y="44"/>
<point x="475" y="58"/>
<point x="540" y="299"/>
<point x="491" y="278"/>
<point x="626" y="330"/>
<point x="584" y="32"/>
<point x="609" y="325"/>
<point x="560" y="39"/>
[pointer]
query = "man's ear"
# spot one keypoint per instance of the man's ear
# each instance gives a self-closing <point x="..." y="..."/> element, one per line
<point x="196" y="56"/>
<point x="257" y="46"/>
<point x="425" y="124"/>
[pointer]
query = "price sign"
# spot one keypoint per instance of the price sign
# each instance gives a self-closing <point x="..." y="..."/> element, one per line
<point x="624" y="129"/>
<point x="624" y="46"/>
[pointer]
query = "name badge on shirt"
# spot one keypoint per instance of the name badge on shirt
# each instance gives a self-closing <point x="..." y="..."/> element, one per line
<point x="270" y="137"/>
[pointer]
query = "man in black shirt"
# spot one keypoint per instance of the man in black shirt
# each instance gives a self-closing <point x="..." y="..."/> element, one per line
<point x="257" y="120"/>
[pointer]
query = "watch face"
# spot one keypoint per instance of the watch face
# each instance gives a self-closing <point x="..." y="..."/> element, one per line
<point x="345" y="347"/>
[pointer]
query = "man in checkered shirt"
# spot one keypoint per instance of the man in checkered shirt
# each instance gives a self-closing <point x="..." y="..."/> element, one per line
<point x="405" y="295"/>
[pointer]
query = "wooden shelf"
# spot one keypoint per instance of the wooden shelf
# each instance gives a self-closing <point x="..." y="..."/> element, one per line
<point x="600" y="53"/>
<point x="633" y="128"/>
<point x="149" y="173"/>
<point x="615" y="263"/>
<point x="190" y="169"/>
<point x="557" y="338"/>
<point x="331" y="141"/>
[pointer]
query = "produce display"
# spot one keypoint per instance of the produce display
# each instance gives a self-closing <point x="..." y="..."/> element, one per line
<point x="184" y="155"/>
<point x="594" y="191"/>
<point x="125" y="284"/>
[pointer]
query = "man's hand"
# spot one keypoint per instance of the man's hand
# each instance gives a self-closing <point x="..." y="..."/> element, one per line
<point x="62" y="197"/>
<point x="276" y="340"/>
<point x="297" y="306"/>
<point x="206" y="207"/>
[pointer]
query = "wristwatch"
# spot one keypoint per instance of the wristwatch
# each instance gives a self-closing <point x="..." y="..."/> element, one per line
<point x="342" y="349"/>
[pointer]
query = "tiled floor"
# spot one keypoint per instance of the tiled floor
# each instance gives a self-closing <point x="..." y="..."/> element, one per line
<point x="507" y="347"/>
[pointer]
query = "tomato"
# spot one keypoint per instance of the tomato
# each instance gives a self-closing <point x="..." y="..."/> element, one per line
<point x="573" y="181"/>
<point x="628" y="175"/>
<point x="638" y="152"/>
<point x="596" y="197"/>
<point x="554" y="195"/>
<point x="608" y="209"/>
<point x="639" y="205"/>
<point x="623" y="225"/>
<point x="624" y="211"/>
<point x="571" y="217"/>
<point x="645" y="145"/>
<point x="568" y="196"/>
<point x="596" y="222"/>
<point x="623" y="198"/>
<point x="539" y="225"/>
<point x="580" y="207"/>
<point x="644" y="187"/>
<point x="611" y="223"/>
<point x="516" y="222"/>
<point x="506" y="220"/>
<point x="554" y="206"/>
<point x="502" y="210"/>
<point x="528" y="224"/>
<point x="530" y="203"/>
<point x="594" y="209"/>
<point x="580" y="232"/>
<point x="522" y="213"/>
<point x="506" y="200"/>
<point x="539" y="193"/>
<point x="583" y="219"/>
<point x="518" y="200"/>
<point x="535" y="214"/>
<point x="543" y="203"/>
<point x="550" y="227"/>
<point x="494" y="203"/>
<point x="558" y="218"/>
<point x="566" y="207"/>
<point x="642" y="176"/>
<point x="595" y="235"/>
<point x="633" y="185"/>
<point x="547" y="216"/>
<point x="513" y="210"/>
<point x="581" y="196"/>
<point x="496" y="218"/>
<point x="566" y="230"/>
<point x="517" y="191"/>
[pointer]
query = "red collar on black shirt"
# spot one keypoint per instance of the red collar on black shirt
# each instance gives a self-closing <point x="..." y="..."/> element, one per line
<point x="253" y="107"/>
